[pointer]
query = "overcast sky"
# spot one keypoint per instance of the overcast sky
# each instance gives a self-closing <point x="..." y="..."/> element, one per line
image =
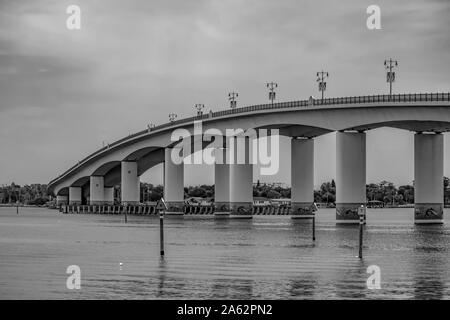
<point x="63" y="92"/>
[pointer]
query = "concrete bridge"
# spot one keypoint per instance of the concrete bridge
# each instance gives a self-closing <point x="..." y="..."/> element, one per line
<point x="427" y="116"/>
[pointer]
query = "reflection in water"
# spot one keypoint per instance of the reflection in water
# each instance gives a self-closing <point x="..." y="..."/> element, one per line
<point x="429" y="263"/>
<point x="162" y="269"/>
<point x="303" y="286"/>
<point x="267" y="257"/>
<point x="232" y="289"/>
<point x="347" y="236"/>
<point x="351" y="284"/>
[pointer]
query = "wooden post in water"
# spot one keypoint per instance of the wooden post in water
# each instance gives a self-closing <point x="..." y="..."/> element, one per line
<point x="161" y="231"/>
<point x="361" y="214"/>
<point x="161" y="207"/>
<point x="314" y="228"/>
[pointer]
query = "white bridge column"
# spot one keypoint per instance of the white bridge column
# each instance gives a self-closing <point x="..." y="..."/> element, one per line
<point x="173" y="184"/>
<point x="109" y="195"/>
<point x="130" y="184"/>
<point x="350" y="175"/>
<point x="428" y="178"/>
<point x="61" y="200"/>
<point x="222" y="186"/>
<point x="96" y="188"/>
<point x="241" y="180"/>
<point x="74" y="195"/>
<point x="302" y="178"/>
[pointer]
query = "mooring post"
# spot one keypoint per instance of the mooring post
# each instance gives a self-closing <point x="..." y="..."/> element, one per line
<point x="361" y="214"/>
<point x="125" y="208"/>
<point x="161" y="207"/>
<point x="314" y="228"/>
<point x="161" y="231"/>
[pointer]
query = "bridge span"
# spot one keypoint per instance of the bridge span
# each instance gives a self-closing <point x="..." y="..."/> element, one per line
<point x="427" y="116"/>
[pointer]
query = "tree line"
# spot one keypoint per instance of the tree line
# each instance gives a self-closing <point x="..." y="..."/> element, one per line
<point x="34" y="194"/>
<point x="384" y="192"/>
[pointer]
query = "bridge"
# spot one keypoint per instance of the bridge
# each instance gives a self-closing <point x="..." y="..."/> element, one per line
<point x="427" y="116"/>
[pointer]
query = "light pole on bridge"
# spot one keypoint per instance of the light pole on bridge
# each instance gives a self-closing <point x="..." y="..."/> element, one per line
<point x="232" y="97"/>
<point x="321" y="80"/>
<point x="272" y="86"/>
<point x="199" y="108"/>
<point x="172" y="117"/>
<point x="390" y="75"/>
<point x="150" y="126"/>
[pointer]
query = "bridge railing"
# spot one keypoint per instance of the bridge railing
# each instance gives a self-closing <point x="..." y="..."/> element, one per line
<point x="409" y="97"/>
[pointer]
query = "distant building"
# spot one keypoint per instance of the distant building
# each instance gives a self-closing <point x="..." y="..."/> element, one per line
<point x="261" y="201"/>
<point x="282" y="202"/>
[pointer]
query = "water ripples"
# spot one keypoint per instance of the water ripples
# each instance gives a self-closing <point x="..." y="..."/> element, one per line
<point x="269" y="257"/>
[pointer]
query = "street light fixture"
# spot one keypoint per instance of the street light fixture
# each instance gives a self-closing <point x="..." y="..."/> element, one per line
<point x="232" y="97"/>
<point x="321" y="80"/>
<point x="150" y="126"/>
<point x="272" y="86"/>
<point x="390" y="75"/>
<point x="199" y="108"/>
<point x="172" y="117"/>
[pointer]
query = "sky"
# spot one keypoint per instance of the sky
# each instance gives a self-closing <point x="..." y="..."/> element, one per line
<point x="63" y="93"/>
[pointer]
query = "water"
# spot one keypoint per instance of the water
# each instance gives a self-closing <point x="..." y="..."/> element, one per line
<point x="269" y="257"/>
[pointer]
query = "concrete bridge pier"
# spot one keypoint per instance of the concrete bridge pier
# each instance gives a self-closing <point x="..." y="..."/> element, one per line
<point x="74" y="196"/>
<point x="222" y="186"/>
<point x="173" y="184"/>
<point x="62" y="200"/>
<point x="130" y="184"/>
<point x="302" y="178"/>
<point x="241" y="179"/>
<point x="350" y="175"/>
<point x="428" y="178"/>
<point x="109" y="195"/>
<point x="97" y="192"/>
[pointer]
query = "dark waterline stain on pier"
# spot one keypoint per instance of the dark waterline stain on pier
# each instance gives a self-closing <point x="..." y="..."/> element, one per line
<point x="269" y="257"/>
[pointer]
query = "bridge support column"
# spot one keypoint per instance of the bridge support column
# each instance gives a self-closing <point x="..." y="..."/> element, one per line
<point x="173" y="184"/>
<point x="109" y="195"/>
<point x="96" y="188"/>
<point x="428" y="178"/>
<point x="74" y="195"/>
<point x="302" y="178"/>
<point x="62" y="200"/>
<point x="350" y="175"/>
<point x="241" y="179"/>
<point x="129" y="191"/>
<point x="222" y="187"/>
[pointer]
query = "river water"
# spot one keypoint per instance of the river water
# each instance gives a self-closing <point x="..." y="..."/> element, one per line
<point x="269" y="257"/>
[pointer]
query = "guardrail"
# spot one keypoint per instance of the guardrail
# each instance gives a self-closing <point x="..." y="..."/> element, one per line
<point x="409" y="97"/>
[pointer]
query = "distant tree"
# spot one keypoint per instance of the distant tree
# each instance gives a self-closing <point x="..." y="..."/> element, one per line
<point x="272" y="194"/>
<point x="197" y="192"/>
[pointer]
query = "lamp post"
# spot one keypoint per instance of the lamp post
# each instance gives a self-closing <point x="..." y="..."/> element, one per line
<point x="172" y="117"/>
<point x="199" y="108"/>
<point x="232" y="97"/>
<point x="321" y="80"/>
<point x="272" y="86"/>
<point x="390" y="75"/>
<point x="362" y="216"/>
